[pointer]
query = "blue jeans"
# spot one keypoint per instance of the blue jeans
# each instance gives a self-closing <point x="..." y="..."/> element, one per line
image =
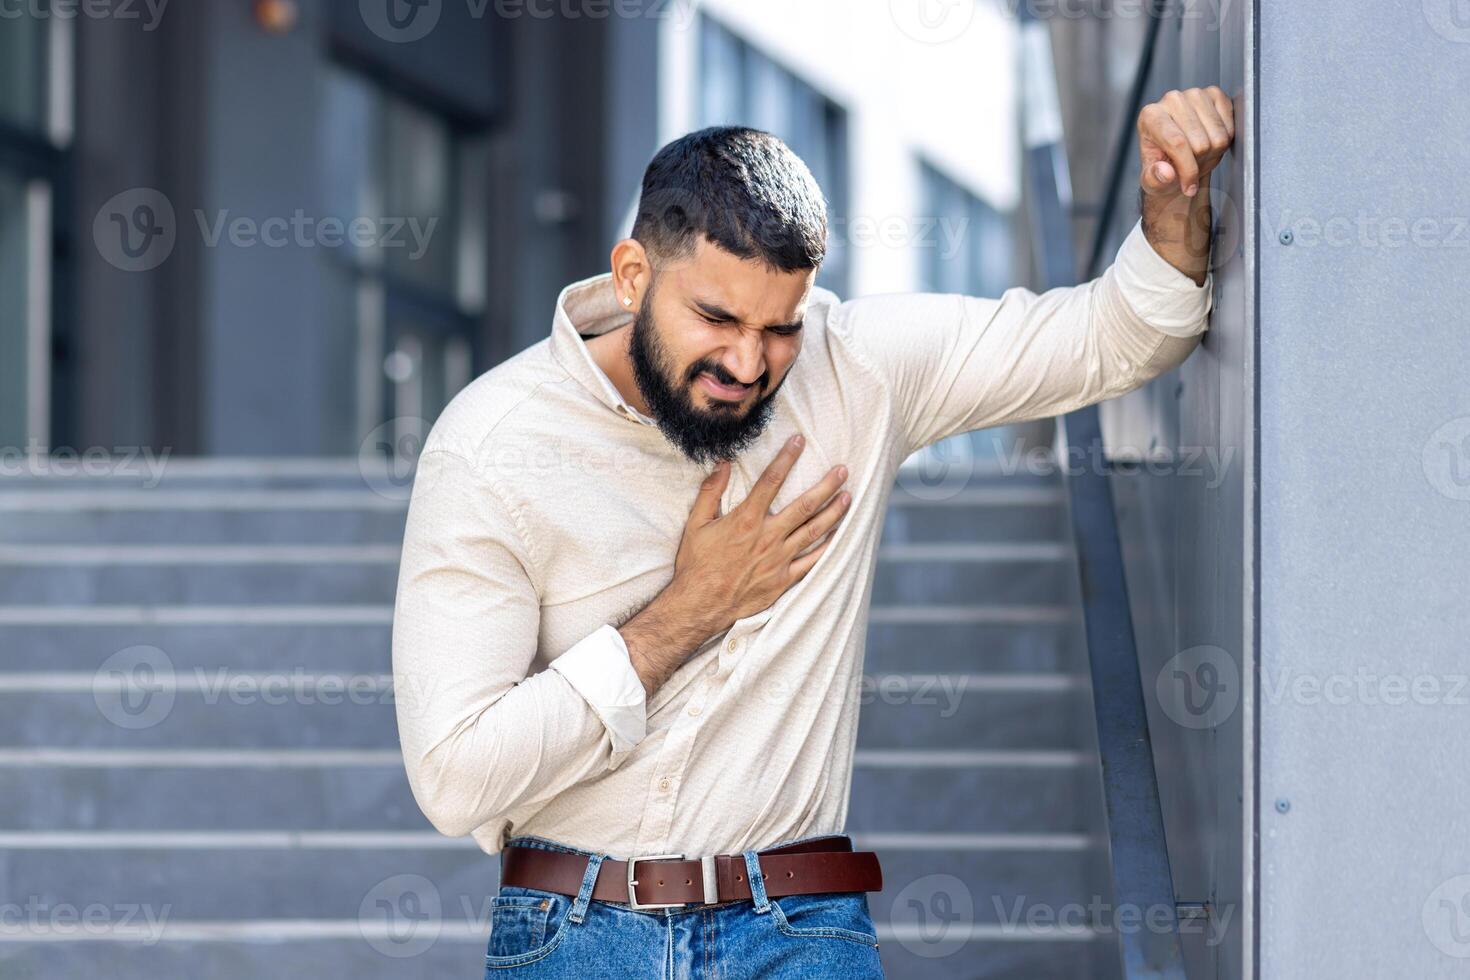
<point x="535" y="933"/>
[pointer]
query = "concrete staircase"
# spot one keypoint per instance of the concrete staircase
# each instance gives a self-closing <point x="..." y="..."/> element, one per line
<point x="250" y="818"/>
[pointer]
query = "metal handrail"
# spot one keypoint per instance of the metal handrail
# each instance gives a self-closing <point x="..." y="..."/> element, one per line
<point x="1142" y="878"/>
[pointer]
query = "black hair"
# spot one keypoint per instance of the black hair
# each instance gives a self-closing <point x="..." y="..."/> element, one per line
<point x="741" y="188"/>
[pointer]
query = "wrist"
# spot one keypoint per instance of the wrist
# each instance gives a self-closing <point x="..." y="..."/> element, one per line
<point x="1178" y="228"/>
<point x="693" y="615"/>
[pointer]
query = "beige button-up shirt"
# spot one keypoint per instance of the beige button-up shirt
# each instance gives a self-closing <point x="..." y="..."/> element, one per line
<point x="546" y="511"/>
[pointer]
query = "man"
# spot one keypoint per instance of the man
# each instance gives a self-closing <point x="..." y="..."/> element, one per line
<point x="638" y="560"/>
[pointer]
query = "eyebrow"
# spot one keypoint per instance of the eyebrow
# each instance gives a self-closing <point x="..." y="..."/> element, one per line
<point x="716" y="312"/>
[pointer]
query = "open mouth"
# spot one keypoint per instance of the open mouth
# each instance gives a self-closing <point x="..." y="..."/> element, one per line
<point x="723" y="392"/>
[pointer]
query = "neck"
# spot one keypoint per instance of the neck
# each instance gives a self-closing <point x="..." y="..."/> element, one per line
<point x="610" y="353"/>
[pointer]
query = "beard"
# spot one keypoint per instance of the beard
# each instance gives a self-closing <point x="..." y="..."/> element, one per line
<point x="704" y="436"/>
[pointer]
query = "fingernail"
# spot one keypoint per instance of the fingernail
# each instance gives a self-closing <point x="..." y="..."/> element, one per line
<point x="1192" y="190"/>
<point x="797" y="440"/>
<point x="846" y="498"/>
<point x="842" y="472"/>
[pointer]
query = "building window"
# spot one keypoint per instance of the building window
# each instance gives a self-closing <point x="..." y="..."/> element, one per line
<point x="35" y="129"/>
<point x="404" y="305"/>
<point x="970" y="248"/>
<point x="739" y="85"/>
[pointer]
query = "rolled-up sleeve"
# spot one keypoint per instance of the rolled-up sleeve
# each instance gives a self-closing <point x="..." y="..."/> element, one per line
<point x="956" y="363"/>
<point x="481" y="735"/>
<point x="601" y="670"/>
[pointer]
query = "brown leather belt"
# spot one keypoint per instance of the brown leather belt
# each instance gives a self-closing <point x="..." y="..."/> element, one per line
<point x="827" y="864"/>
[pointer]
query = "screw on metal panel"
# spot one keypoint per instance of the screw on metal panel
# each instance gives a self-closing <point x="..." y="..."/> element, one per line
<point x="1283" y="805"/>
<point x="1287" y="237"/>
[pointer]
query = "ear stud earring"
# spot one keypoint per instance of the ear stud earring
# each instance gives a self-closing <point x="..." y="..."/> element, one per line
<point x="627" y="301"/>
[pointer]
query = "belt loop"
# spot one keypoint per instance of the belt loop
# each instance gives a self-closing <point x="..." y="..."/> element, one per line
<point x="757" y="881"/>
<point x="584" y="895"/>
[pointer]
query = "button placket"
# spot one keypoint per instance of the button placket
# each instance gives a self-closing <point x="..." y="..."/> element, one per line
<point x="674" y="761"/>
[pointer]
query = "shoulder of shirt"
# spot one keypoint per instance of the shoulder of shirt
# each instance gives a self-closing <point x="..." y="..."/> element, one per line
<point x="482" y="409"/>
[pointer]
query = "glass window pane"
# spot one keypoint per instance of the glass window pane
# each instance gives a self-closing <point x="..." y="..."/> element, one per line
<point x="351" y="141"/>
<point x="23" y="69"/>
<point x="740" y="86"/>
<point x="420" y="183"/>
<point x="971" y="252"/>
<point x="721" y="68"/>
<point x="13" y="300"/>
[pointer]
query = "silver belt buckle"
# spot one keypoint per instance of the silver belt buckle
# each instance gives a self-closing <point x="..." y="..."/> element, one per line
<point x="633" y="902"/>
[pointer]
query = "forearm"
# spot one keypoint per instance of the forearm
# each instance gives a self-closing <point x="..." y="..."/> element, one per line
<point x="473" y="756"/>
<point x="1178" y="227"/>
<point x="662" y="635"/>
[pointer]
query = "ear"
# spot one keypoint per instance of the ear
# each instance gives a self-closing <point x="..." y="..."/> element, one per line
<point x="631" y="272"/>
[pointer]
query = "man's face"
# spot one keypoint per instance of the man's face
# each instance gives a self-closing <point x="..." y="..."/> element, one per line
<point x="712" y="342"/>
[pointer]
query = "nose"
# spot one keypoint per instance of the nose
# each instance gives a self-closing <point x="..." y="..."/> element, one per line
<point x="745" y="359"/>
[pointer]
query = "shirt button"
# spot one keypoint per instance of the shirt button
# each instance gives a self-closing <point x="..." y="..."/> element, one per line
<point x="694" y="711"/>
<point x="663" y="783"/>
<point x="732" y="645"/>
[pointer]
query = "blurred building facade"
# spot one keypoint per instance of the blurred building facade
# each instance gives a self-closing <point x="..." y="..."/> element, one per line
<point x="268" y="229"/>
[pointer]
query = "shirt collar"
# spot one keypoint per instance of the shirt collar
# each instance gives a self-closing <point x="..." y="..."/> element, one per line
<point x="591" y="307"/>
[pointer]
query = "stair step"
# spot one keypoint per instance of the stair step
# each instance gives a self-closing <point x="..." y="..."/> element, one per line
<point x="1032" y="517"/>
<point x="307" y="518"/>
<point x="324" y="575"/>
<point x="358" y="640"/>
<point x="169" y="473"/>
<point x="365" y="798"/>
<point x="290" y="710"/>
<point x="354" y="516"/>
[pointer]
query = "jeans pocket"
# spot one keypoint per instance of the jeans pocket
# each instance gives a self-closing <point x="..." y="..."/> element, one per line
<point x="830" y="915"/>
<point x="525" y="925"/>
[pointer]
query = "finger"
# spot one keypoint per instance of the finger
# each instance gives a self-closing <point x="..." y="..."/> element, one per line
<point x="826" y="518"/>
<point x="707" y="502"/>
<point x="1209" y="118"/>
<point x="1159" y="176"/>
<point x="1166" y="134"/>
<point x="770" y="481"/>
<point x="1182" y="111"/>
<point x="800" y="566"/>
<point x="802" y="509"/>
<point x="1224" y="107"/>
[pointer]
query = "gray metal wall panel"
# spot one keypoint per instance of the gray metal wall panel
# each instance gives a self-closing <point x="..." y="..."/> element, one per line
<point x="1365" y="489"/>
<point x="1186" y="529"/>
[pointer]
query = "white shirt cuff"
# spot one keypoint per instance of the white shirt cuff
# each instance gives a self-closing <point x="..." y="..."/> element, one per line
<point x="1162" y="296"/>
<point x="599" y="668"/>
